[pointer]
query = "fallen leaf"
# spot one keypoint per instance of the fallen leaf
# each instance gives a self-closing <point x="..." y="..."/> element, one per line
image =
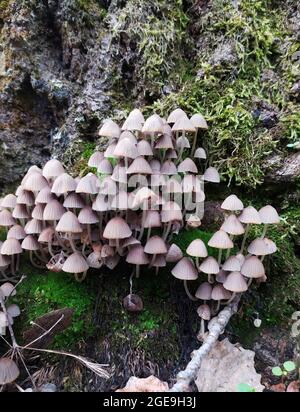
<point x="280" y="387"/>
<point x="150" y="384"/>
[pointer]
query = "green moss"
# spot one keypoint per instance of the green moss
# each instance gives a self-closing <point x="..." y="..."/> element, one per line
<point x="2" y="234"/>
<point x="42" y="292"/>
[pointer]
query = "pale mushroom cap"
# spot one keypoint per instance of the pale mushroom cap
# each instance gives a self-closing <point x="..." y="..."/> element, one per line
<point x="200" y="153"/>
<point x="209" y="266"/>
<point x="152" y="219"/>
<point x="9" y="201"/>
<point x="4" y="259"/>
<point x="139" y="166"/>
<point x="128" y="135"/>
<point x="155" y="245"/>
<point x="174" y="254"/>
<point x="88" y="184"/>
<point x="270" y="245"/>
<point x="221" y="276"/>
<point x="126" y="148"/>
<point x="130" y="241"/>
<point x="120" y="201"/>
<point x="175" y="115"/>
<point x="108" y="186"/>
<point x="164" y="142"/>
<point x="8" y="289"/>
<point x="119" y="175"/>
<point x="235" y="282"/>
<point x="185" y="270"/>
<point x="137" y="256"/>
<point x="87" y="216"/>
<point x="11" y="247"/>
<point x="220" y="293"/>
<point x="117" y="228"/>
<point x="232" y="203"/>
<point x="159" y="261"/>
<point x="250" y="215"/>
<point x="105" y="167"/>
<point x="95" y="159"/>
<point x="171" y="154"/>
<point x="153" y="124"/>
<point x="143" y="194"/>
<point x="204" y="312"/>
<point x="75" y="263"/>
<point x="14" y="310"/>
<point x="144" y="148"/>
<point x="46" y="235"/>
<point x="38" y="211"/>
<point x="197" y="248"/>
<point x="101" y="204"/>
<point x="155" y="165"/>
<point x="204" y="291"/>
<point x="53" y="210"/>
<point x="232" y="264"/>
<point x="172" y="185"/>
<point x="25" y="197"/>
<point x="33" y="226"/>
<point x="233" y="226"/>
<point x="220" y="240"/>
<point x="30" y="243"/>
<point x="53" y="168"/>
<point x="183" y="143"/>
<point x="9" y="371"/>
<point x="258" y="247"/>
<point x="64" y="183"/>
<point x="211" y="175"/>
<point x="73" y="201"/>
<point x="137" y="115"/>
<point x="20" y="212"/>
<point x="183" y="124"/>
<point x="168" y="168"/>
<point x="68" y="223"/>
<point x="44" y="196"/>
<point x="199" y="121"/>
<point x="35" y="182"/>
<point x="6" y="218"/>
<point x="187" y="166"/>
<point x="109" y="152"/>
<point x="269" y="215"/>
<point x="253" y="268"/>
<point x="110" y="129"/>
<point x="171" y="211"/>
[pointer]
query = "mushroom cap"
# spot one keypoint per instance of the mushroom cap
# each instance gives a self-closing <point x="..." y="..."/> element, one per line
<point x="75" y="263"/>
<point x="209" y="266"/>
<point x="25" y="197"/>
<point x="197" y="248"/>
<point x="155" y="165"/>
<point x="120" y="201"/>
<point x="232" y="203"/>
<point x="235" y="282"/>
<point x="126" y="148"/>
<point x="164" y="142"/>
<point x="204" y="291"/>
<point x="200" y="153"/>
<point x="232" y="264"/>
<point x="9" y="201"/>
<point x="110" y="129"/>
<point x="198" y="121"/>
<point x="204" y="312"/>
<point x="9" y="371"/>
<point x="109" y="152"/>
<point x="233" y="226"/>
<point x="183" y="123"/>
<point x="171" y="211"/>
<point x="108" y="186"/>
<point x="175" y="115"/>
<point x="101" y="203"/>
<point x="220" y="293"/>
<point x="68" y="223"/>
<point x="95" y="159"/>
<point x="221" y="276"/>
<point x="270" y="245"/>
<point x="250" y="215"/>
<point x="172" y="185"/>
<point x="133" y="122"/>
<point x="137" y="256"/>
<point x="130" y="241"/>
<point x="133" y="303"/>
<point x="54" y="210"/>
<point x="53" y="168"/>
<point x="11" y="247"/>
<point x="269" y="215"/>
<point x="220" y="240"/>
<point x="144" y="148"/>
<point x="8" y="289"/>
<point x="253" y="267"/>
<point x="168" y="168"/>
<point x="117" y="228"/>
<point x="46" y="235"/>
<point x="6" y="218"/>
<point x="20" y="212"/>
<point x="126" y="134"/>
<point x="211" y="175"/>
<point x="64" y="183"/>
<point x="105" y="167"/>
<point x="258" y="247"/>
<point x="119" y="175"/>
<point x="30" y="243"/>
<point x="139" y="166"/>
<point x="44" y="196"/>
<point x="153" y="124"/>
<point x="193" y="221"/>
<point x="13" y="310"/>
<point x="141" y="196"/>
<point x="155" y="245"/>
<point x="171" y="154"/>
<point x="174" y="254"/>
<point x="152" y="219"/>
<point x="88" y="184"/>
<point x="38" y="211"/>
<point x="187" y="166"/>
<point x="35" y="182"/>
<point x="73" y="201"/>
<point x="87" y="216"/>
<point x="4" y="259"/>
<point x="185" y="270"/>
<point x="33" y="227"/>
<point x="137" y="115"/>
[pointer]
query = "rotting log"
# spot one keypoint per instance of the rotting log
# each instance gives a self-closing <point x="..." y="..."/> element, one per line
<point x="189" y="374"/>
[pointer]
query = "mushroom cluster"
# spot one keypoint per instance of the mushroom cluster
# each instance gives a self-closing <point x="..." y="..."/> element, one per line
<point x="142" y="191"/>
<point x="235" y="268"/>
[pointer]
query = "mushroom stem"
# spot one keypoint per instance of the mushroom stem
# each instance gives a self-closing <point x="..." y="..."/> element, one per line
<point x="167" y="231"/>
<point x="228" y="250"/>
<point x="264" y="231"/>
<point x="244" y="238"/>
<point x="137" y="271"/>
<point x="231" y="299"/>
<point x="210" y="278"/>
<point x="32" y="261"/>
<point x="17" y="263"/>
<point x="12" y="335"/>
<point x="181" y="149"/>
<point x="148" y="233"/>
<point x="72" y="244"/>
<point x="197" y="262"/>
<point x="12" y="265"/>
<point x="79" y="277"/>
<point x="249" y="282"/>
<point x="220" y="256"/>
<point x="190" y="296"/>
<point x="194" y="142"/>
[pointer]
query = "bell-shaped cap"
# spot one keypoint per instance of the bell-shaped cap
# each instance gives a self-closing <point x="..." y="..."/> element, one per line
<point x="185" y="270"/>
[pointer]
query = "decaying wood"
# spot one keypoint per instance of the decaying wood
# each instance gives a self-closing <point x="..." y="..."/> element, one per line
<point x="185" y="377"/>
